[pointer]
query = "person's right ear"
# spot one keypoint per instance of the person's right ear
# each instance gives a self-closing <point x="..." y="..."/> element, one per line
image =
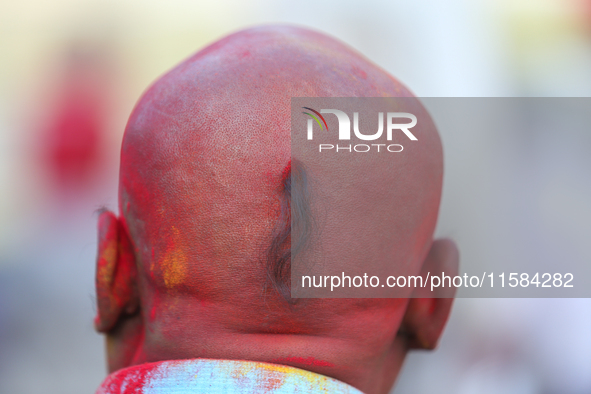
<point x="426" y="312"/>
<point x="116" y="274"/>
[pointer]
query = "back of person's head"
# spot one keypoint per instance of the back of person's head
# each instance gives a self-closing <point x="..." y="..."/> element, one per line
<point x="188" y="269"/>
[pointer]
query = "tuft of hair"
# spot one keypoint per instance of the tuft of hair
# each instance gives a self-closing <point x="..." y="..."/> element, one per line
<point x="292" y="232"/>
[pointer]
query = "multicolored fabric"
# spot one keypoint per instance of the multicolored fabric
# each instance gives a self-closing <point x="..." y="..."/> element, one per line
<point x="219" y="376"/>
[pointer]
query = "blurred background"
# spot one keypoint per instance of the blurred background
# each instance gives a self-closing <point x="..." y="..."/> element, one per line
<point x="71" y="71"/>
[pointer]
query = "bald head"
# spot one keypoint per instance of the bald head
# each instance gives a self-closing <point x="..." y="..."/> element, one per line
<point x="202" y="177"/>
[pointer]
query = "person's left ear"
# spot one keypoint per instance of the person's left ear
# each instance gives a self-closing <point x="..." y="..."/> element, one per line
<point x="427" y="311"/>
<point x="116" y="274"/>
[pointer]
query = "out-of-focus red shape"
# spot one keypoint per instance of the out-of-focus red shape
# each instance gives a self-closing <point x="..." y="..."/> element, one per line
<point x="74" y="143"/>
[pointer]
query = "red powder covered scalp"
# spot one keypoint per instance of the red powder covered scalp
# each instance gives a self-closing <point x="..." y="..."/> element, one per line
<point x="205" y="159"/>
<point x="286" y="172"/>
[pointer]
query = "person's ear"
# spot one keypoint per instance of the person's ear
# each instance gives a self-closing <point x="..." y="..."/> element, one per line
<point x="427" y="311"/>
<point x="116" y="274"/>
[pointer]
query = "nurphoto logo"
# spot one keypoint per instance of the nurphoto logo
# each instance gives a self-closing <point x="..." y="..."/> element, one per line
<point x="392" y="124"/>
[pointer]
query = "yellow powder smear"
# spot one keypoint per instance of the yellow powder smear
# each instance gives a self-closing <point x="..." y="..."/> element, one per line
<point x="318" y="380"/>
<point x="106" y="270"/>
<point x="174" y="263"/>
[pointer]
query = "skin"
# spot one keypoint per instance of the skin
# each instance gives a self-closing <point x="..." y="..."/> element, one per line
<point x="179" y="273"/>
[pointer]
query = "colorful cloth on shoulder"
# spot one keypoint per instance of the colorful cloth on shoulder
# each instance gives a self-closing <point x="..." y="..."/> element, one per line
<point x="219" y="376"/>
